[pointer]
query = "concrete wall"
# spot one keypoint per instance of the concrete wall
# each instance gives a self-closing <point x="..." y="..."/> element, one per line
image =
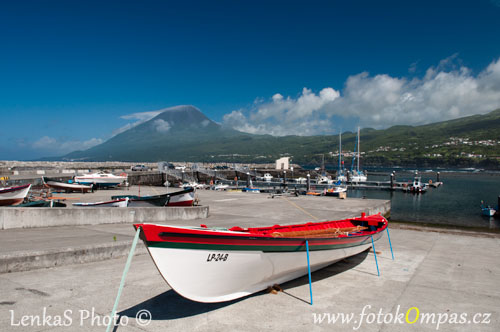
<point x="384" y="208"/>
<point x="12" y="217"/>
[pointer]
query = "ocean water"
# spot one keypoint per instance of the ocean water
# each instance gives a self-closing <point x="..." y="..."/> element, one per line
<point x="456" y="202"/>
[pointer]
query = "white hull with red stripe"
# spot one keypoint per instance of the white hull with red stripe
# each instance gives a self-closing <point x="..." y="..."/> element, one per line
<point x="13" y="195"/>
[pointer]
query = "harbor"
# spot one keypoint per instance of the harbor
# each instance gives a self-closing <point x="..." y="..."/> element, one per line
<point x="75" y="270"/>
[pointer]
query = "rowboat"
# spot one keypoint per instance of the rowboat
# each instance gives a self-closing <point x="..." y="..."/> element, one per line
<point x="14" y="195"/>
<point x="101" y="179"/>
<point x="65" y="186"/>
<point x="179" y="198"/>
<point x="182" y="198"/>
<point x="487" y="210"/>
<point x="145" y="201"/>
<point x="252" y="190"/>
<point x="43" y="203"/>
<point x="122" y="202"/>
<point x="335" y="191"/>
<point x="215" y="265"/>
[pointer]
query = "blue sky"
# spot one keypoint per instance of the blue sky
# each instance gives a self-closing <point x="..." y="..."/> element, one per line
<point x="73" y="72"/>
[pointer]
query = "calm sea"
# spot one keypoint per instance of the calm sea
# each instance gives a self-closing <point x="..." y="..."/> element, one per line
<point x="456" y="202"/>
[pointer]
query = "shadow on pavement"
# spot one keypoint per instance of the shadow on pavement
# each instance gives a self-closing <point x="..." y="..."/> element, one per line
<point x="170" y="305"/>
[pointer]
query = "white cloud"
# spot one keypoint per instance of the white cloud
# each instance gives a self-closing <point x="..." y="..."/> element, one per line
<point x="285" y="116"/>
<point x="138" y="118"/>
<point x="446" y="91"/>
<point x="62" y="146"/>
<point x="161" y="125"/>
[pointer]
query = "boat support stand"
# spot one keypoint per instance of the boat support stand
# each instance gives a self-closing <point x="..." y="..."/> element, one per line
<point x="309" y="272"/>
<point x="122" y="282"/>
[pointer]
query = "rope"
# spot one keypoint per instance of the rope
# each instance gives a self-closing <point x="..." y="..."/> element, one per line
<point x="301" y="209"/>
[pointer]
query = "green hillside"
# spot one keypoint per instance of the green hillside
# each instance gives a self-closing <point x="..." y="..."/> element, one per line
<point x="184" y="134"/>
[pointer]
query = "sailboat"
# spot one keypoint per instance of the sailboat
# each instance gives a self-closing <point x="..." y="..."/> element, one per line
<point x="340" y="174"/>
<point x="357" y="175"/>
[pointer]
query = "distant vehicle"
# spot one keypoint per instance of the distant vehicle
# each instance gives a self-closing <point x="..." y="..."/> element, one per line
<point x="139" y="168"/>
<point x="182" y="168"/>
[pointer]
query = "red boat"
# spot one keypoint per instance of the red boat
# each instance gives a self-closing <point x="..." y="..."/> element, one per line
<point x="215" y="265"/>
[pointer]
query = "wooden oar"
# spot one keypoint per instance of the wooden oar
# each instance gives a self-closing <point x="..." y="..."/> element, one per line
<point x="319" y="232"/>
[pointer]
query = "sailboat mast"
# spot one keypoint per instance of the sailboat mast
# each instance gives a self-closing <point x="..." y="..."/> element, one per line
<point x="358" y="151"/>
<point x="340" y="152"/>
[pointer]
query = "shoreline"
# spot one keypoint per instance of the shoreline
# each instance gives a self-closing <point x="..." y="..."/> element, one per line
<point x="448" y="229"/>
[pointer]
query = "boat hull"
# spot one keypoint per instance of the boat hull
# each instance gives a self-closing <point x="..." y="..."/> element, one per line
<point x="69" y="187"/>
<point x="241" y="274"/>
<point x="185" y="199"/>
<point x="211" y="265"/>
<point x="116" y="203"/>
<point x="13" y="195"/>
<point x="101" y="180"/>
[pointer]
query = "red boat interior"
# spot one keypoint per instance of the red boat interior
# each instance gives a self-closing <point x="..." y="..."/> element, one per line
<point x="341" y="228"/>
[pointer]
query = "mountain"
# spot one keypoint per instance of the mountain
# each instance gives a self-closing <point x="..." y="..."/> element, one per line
<point x="184" y="133"/>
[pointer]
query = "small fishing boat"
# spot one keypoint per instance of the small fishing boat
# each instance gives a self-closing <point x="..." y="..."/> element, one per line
<point x="181" y="198"/>
<point x="252" y="190"/>
<point x="487" y="210"/>
<point x="215" y="265"/>
<point x="66" y="186"/>
<point x="102" y="179"/>
<point x="144" y="201"/>
<point x="221" y="186"/>
<point x="335" y="191"/>
<point x="121" y="202"/>
<point x="417" y="187"/>
<point x="14" y="195"/>
<point x="267" y="177"/>
<point x="42" y="203"/>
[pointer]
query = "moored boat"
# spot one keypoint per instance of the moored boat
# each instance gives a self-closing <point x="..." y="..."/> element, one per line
<point x="122" y="202"/>
<point x="335" y="191"/>
<point x="14" y="195"/>
<point x="487" y="210"/>
<point x="417" y="187"/>
<point x="65" y="186"/>
<point x="214" y="265"/>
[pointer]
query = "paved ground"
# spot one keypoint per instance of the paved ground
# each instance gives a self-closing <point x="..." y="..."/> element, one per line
<point x="226" y="209"/>
<point x="452" y="276"/>
<point x="437" y="273"/>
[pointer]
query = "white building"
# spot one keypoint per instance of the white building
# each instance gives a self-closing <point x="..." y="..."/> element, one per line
<point x="283" y="163"/>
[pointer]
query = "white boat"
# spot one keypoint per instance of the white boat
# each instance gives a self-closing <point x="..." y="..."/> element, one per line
<point x="214" y="265"/>
<point x="357" y="175"/>
<point x="194" y="185"/>
<point x="340" y="173"/>
<point x="14" y="195"/>
<point x="324" y="180"/>
<point x="417" y="186"/>
<point x="221" y="186"/>
<point x="122" y="202"/>
<point x="67" y="187"/>
<point x="182" y="198"/>
<point x="335" y="191"/>
<point x="301" y="180"/>
<point x="101" y="179"/>
<point x="268" y="177"/>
